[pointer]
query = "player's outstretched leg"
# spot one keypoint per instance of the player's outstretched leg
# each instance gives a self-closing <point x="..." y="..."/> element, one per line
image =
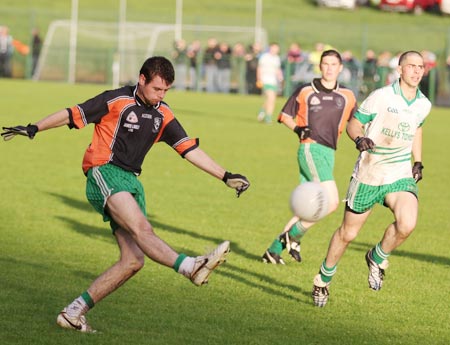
<point x="205" y="264"/>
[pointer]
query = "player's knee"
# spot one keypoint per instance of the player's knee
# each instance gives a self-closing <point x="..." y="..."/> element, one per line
<point x="405" y="227"/>
<point x="347" y="234"/>
<point x="135" y="264"/>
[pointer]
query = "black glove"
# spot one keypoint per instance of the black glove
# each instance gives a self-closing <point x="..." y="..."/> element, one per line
<point x="364" y="144"/>
<point x="417" y="171"/>
<point x="302" y="132"/>
<point x="10" y="132"/>
<point x="236" y="181"/>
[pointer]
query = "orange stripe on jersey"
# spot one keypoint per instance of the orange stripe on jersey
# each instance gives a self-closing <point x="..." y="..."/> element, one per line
<point x="168" y="116"/>
<point x="99" y="151"/>
<point x="350" y="104"/>
<point x="302" y="115"/>
<point x="185" y="146"/>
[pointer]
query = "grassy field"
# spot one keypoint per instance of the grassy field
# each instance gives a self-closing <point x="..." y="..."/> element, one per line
<point x="53" y="244"/>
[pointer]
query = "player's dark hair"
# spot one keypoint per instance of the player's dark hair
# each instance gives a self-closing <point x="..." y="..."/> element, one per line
<point x="406" y="54"/>
<point x="331" y="52"/>
<point x="158" y="66"/>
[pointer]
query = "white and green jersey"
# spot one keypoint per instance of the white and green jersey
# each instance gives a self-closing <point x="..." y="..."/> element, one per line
<point x="391" y="122"/>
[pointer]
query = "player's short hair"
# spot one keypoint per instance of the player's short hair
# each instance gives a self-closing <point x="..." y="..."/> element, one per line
<point x="406" y="54"/>
<point x="331" y="52"/>
<point x="158" y="66"/>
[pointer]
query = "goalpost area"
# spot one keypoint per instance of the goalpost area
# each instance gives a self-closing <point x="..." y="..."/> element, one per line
<point x="106" y="52"/>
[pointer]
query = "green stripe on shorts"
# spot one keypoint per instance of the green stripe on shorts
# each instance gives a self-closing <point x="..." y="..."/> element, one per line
<point x="316" y="162"/>
<point x="362" y="197"/>
<point x="106" y="180"/>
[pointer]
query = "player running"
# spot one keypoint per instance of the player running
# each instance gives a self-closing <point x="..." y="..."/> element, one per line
<point x="128" y="121"/>
<point x="387" y="130"/>
<point x="318" y="113"/>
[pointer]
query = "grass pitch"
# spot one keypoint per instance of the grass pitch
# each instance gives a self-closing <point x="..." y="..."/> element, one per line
<point x="53" y="244"/>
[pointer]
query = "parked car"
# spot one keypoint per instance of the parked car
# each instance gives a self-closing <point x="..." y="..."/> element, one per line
<point x="415" y="6"/>
<point x="444" y="6"/>
<point x="347" y="4"/>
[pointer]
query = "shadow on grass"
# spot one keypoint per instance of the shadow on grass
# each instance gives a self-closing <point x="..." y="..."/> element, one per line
<point x="440" y="260"/>
<point x="261" y="282"/>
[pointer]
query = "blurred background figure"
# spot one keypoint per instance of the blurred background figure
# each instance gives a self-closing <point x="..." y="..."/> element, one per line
<point x="6" y="52"/>
<point x="210" y="64"/>
<point x="269" y="78"/>
<point x="36" y="45"/>
<point x="223" y="57"/>
<point x="430" y="79"/>
<point x="192" y="54"/>
<point x="251" y="59"/>
<point x="350" y="75"/>
<point x="180" y="63"/>
<point x="370" y="73"/>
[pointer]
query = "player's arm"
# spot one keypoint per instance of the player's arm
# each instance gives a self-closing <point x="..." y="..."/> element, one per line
<point x="355" y="130"/>
<point x="417" y="155"/>
<point x="204" y="162"/>
<point x="58" y="119"/>
<point x="303" y="132"/>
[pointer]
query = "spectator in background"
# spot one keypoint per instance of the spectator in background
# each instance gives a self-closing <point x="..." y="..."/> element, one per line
<point x="294" y="56"/>
<point x="383" y="68"/>
<point x="393" y="63"/>
<point x="6" y="52"/>
<point x="223" y="58"/>
<point x="351" y="72"/>
<point x="36" y="44"/>
<point x="447" y="64"/>
<point x="238" y="67"/>
<point x="251" y="59"/>
<point x="269" y="77"/>
<point x="210" y="65"/>
<point x="370" y="74"/>
<point x="192" y="55"/>
<point x="429" y="61"/>
<point x="180" y="62"/>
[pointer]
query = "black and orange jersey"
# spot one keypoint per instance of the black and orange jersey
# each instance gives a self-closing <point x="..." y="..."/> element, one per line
<point x="325" y="111"/>
<point x="126" y="129"/>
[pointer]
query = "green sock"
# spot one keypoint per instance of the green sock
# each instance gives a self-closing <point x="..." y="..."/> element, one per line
<point x="178" y="261"/>
<point x="297" y="231"/>
<point x="88" y="299"/>
<point x="378" y="255"/>
<point x="326" y="273"/>
<point x="276" y="247"/>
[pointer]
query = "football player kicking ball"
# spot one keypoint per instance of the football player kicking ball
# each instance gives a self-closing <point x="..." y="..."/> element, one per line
<point x="128" y="121"/>
<point x="387" y="130"/>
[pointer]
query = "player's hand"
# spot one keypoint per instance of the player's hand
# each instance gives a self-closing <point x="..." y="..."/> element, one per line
<point x="302" y="132"/>
<point x="364" y="144"/>
<point x="236" y="181"/>
<point x="417" y="171"/>
<point x="10" y="132"/>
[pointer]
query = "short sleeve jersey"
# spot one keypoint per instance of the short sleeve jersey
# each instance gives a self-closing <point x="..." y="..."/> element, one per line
<point x="126" y="129"/>
<point x="269" y="65"/>
<point x="391" y="121"/>
<point x="325" y="111"/>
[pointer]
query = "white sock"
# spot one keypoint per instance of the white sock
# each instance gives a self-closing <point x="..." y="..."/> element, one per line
<point x="77" y="308"/>
<point x="187" y="266"/>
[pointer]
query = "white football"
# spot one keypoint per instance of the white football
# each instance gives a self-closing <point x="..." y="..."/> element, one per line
<point x="309" y="201"/>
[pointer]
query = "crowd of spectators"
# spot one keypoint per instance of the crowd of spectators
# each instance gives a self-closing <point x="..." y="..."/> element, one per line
<point x="219" y="67"/>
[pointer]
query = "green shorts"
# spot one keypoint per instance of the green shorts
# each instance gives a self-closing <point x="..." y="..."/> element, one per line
<point x="315" y="162"/>
<point x="270" y="87"/>
<point x="108" y="179"/>
<point x="362" y="197"/>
